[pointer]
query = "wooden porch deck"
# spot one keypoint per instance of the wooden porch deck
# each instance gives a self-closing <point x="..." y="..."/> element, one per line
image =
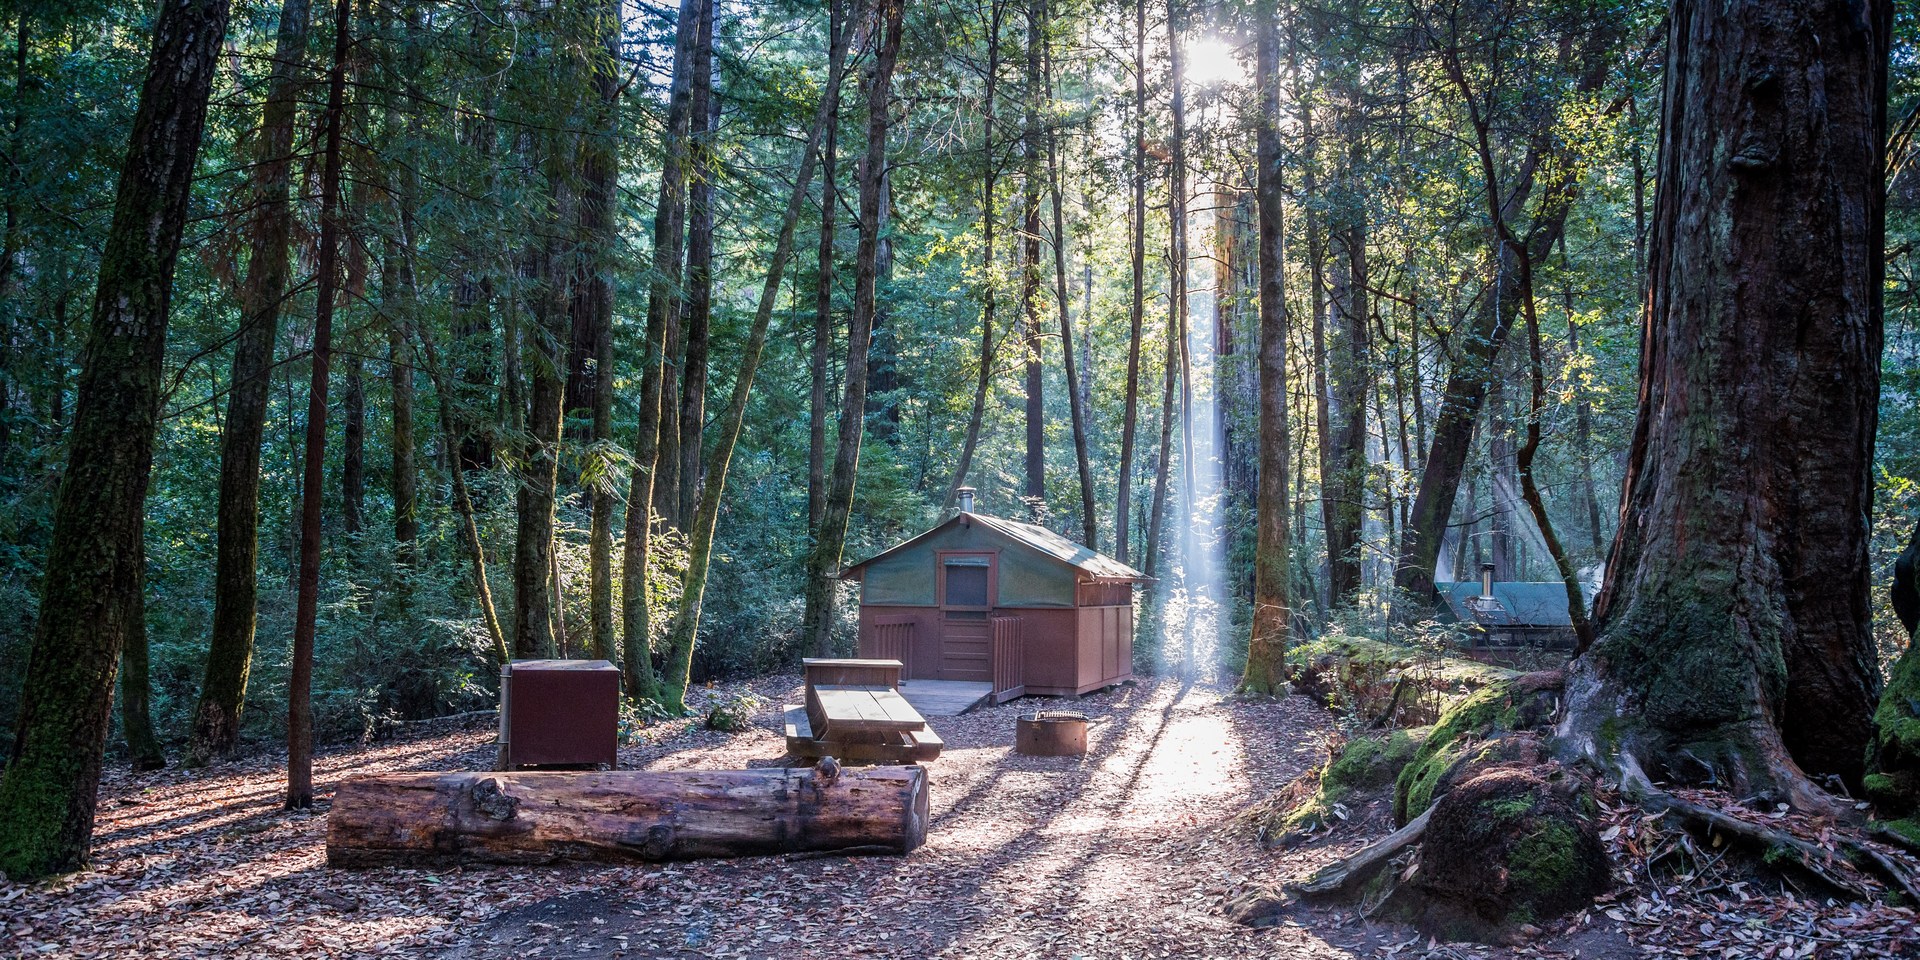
<point x="945" y="698"/>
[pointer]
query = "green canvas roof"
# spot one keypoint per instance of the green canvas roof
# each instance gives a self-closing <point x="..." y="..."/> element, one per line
<point x="1033" y="537"/>
<point x="1517" y="603"/>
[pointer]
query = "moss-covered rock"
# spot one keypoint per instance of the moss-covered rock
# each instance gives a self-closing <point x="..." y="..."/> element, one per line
<point x="1513" y="845"/>
<point x="1369" y="678"/>
<point x="1365" y="765"/>
<point x="1460" y="740"/>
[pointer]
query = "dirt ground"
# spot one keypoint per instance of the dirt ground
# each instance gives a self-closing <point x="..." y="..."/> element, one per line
<point x="1126" y="853"/>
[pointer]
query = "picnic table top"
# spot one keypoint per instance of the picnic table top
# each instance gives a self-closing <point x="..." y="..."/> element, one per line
<point x="866" y="709"/>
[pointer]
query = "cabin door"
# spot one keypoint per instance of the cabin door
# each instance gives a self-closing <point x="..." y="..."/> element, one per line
<point x="968" y="583"/>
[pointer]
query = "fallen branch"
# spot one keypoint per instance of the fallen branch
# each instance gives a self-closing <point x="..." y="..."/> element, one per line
<point x="1343" y="875"/>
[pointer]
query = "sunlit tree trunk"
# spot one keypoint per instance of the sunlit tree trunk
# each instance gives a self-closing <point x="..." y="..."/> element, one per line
<point x="1265" y="670"/>
<point x="823" y="305"/>
<point x="1735" y="640"/>
<point x="216" y="720"/>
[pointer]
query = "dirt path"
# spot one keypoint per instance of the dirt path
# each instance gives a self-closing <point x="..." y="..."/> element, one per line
<point x="1122" y="853"/>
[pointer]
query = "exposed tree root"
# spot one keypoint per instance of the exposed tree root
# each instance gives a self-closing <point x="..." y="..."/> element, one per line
<point x="1819" y="862"/>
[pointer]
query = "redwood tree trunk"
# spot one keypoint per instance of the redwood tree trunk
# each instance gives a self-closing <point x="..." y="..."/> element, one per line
<point x="216" y="721"/>
<point x="699" y="280"/>
<point x="94" y="565"/>
<point x="1035" y="387"/>
<point x="1735" y="634"/>
<point x="1267" y="647"/>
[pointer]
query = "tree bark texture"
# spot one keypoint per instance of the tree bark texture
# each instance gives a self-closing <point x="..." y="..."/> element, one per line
<point x="600" y="174"/>
<point x="414" y="819"/>
<point x="1035" y="492"/>
<point x="1265" y="671"/>
<point x="94" y="568"/>
<point x="1077" y="407"/>
<point x="1734" y="639"/>
<point x="699" y="279"/>
<point x="988" y="289"/>
<point x="216" y="719"/>
<point x="817" y="618"/>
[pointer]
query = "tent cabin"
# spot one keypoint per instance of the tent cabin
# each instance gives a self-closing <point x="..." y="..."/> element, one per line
<point x="1510" y="614"/>
<point x="986" y="599"/>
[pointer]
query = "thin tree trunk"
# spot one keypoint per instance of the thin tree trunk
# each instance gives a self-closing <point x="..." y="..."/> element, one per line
<point x="1176" y="281"/>
<point x="312" y="492"/>
<point x="1530" y="488"/>
<point x="450" y="435"/>
<point x="662" y="302"/>
<point x="1136" y="311"/>
<point x="823" y="307"/>
<point x="817" y="618"/>
<point x="1266" y="665"/>
<point x="989" y="292"/>
<point x="1728" y="651"/>
<point x="1076" y="397"/>
<point x="699" y="281"/>
<point x="600" y="174"/>
<point x="216" y="719"/>
<point x="1035" y="492"/>
<point x="686" y="623"/>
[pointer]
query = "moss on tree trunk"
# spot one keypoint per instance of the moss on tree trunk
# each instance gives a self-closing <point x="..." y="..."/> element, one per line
<point x="90" y="600"/>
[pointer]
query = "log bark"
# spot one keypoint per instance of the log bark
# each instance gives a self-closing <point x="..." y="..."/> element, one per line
<point x="623" y="815"/>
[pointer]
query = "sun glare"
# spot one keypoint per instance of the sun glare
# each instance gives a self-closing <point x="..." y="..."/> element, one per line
<point x="1213" y="62"/>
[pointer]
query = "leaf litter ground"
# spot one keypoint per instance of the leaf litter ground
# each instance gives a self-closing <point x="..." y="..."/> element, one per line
<point x="1126" y="853"/>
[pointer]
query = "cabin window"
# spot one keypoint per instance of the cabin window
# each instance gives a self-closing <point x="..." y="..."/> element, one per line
<point x="967" y="582"/>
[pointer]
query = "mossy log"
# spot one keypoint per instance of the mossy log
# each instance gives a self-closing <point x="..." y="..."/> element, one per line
<point x="522" y="818"/>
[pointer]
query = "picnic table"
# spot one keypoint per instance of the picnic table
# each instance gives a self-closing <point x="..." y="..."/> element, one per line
<point x="858" y="721"/>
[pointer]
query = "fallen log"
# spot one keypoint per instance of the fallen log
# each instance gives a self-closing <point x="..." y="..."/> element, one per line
<point x="531" y="818"/>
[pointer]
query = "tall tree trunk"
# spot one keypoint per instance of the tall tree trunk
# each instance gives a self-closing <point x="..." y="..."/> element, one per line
<point x="535" y="588"/>
<point x="686" y="623"/>
<point x="312" y="492"/>
<point x="216" y="720"/>
<point x="823" y="305"/>
<point x="1076" y="396"/>
<point x="600" y="176"/>
<point x="699" y="281"/>
<point x="1349" y="361"/>
<point x="817" y="618"/>
<point x="1265" y="670"/>
<point x="1035" y="492"/>
<point x="989" y="290"/>
<point x="1136" y="308"/>
<point x="662" y="302"/>
<point x="1735" y="639"/>
<point x="1176" y="279"/>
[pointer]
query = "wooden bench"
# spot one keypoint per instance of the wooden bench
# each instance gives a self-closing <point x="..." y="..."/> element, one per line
<point x="852" y="712"/>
